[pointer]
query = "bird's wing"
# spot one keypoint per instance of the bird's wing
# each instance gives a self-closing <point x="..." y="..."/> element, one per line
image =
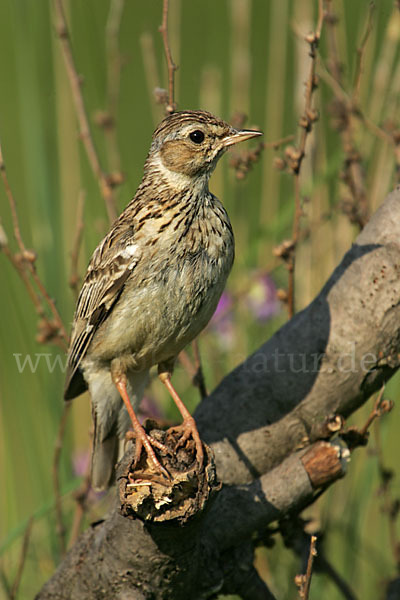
<point x="112" y="263"/>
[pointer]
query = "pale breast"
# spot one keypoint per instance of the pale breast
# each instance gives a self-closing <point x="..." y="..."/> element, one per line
<point x="171" y="297"/>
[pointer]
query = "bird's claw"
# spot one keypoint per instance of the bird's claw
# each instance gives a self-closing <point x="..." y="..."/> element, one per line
<point x="147" y="442"/>
<point x="186" y="430"/>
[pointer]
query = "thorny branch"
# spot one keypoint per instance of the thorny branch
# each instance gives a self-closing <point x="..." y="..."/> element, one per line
<point x="171" y="106"/>
<point x="106" y="183"/>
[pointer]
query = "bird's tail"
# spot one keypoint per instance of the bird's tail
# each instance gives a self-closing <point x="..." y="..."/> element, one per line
<point x="104" y="456"/>
<point x="111" y="422"/>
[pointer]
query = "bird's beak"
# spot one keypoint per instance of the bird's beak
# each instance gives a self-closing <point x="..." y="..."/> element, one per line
<point x="240" y="136"/>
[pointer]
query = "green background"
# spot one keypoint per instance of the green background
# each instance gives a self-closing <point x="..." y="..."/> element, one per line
<point x="238" y="55"/>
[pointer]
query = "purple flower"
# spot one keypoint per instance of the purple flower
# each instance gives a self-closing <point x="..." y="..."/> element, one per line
<point x="80" y="462"/>
<point x="149" y="410"/>
<point x="224" y="306"/>
<point x="261" y="298"/>
<point x="222" y="321"/>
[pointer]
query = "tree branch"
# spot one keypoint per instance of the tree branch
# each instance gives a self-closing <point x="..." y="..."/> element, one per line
<point x="263" y="422"/>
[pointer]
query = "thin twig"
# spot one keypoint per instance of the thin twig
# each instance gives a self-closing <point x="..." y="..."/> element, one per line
<point x="304" y="581"/>
<point x="390" y="505"/>
<point x="295" y="156"/>
<point x="194" y="369"/>
<point x="61" y="532"/>
<point x="154" y="89"/>
<point x="187" y="364"/>
<point x="84" y="128"/>
<point x="171" y="106"/>
<point x="277" y="143"/>
<point x="375" y="413"/>
<point x="22" y="559"/>
<point x="243" y="161"/>
<point x="199" y="377"/>
<point x="74" y="278"/>
<point x="12" y="204"/>
<point x="114" y="65"/>
<point x="113" y="27"/>
<point x="311" y="557"/>
<point x="80" y="497"/>
<point x="25" y="262"/>
<point x="354" y="436"/>
<point x="25" y="279"/>
<point x="341" y="94"/>
<point x="5" y="584"/>
<point x="344" y="109"/>
<point x="361" y="53"/>
<point x="50" y="302"/>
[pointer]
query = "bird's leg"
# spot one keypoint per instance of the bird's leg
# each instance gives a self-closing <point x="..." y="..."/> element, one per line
<point x="188" y="426"/>
<point x="141" y="437"/>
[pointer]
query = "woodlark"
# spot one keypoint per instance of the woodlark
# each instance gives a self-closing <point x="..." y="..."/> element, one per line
<point x="152" y="285"/>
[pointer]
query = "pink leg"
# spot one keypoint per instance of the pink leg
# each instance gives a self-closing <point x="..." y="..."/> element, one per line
<point x="189" y="425"/>
<point x="141" y="437"/>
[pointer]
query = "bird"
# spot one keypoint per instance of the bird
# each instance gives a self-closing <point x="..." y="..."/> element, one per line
<point x="152" y="285"/>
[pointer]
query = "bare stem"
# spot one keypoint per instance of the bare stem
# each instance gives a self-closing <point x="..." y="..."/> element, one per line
<point x="25" y="263"/>
<point x="11" y="202"/>
<point x="297" y="155"/>
<point x="304" y="581"/>
<point x="199" y="377"/>
<point x="194" y="369"/>
<point x="375" y="413"/>
<point x="275" y="144"/>
<point x="171" y="106"/>
<point x="114" y="65"/>
<point x="56" y="476"/>
<point x="74" y="277"/>
<point x="80" y="496"/>
<point x="390" y="504"/>
<point x="84" y="129"/>
<point x="361" y="52"/>
<point x="21" y="563"/>
<point x="356" y="207"/>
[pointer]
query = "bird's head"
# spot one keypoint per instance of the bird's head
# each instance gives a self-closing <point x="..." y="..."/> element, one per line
<point x="187" y="145"/>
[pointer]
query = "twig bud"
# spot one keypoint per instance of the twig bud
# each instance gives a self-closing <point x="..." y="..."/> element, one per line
<point x="279" y="163"/>
<point x="282" y="295"/>
<point x="30" y="256"/>
<point x="3" y="238"/>
<point x="284" y="250"/>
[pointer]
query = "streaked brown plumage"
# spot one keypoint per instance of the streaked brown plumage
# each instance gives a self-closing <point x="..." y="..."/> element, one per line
<point x="152" y="284"/>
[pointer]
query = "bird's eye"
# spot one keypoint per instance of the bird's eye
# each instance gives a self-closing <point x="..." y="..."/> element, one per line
<point x="197" y="136"/>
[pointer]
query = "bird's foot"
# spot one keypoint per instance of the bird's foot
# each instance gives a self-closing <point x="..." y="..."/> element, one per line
<point x="185" y="431"/>
<point x="148" y="443"/>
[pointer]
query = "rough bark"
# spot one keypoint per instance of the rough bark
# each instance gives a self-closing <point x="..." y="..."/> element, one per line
<point x="263" y="422"/>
